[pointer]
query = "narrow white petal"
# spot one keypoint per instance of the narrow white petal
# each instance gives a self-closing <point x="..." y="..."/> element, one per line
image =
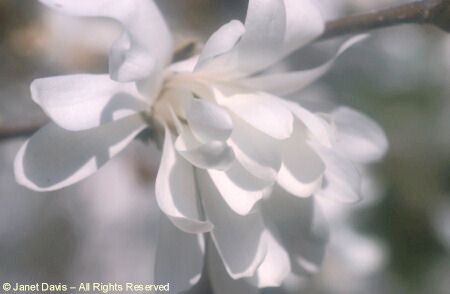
<point x="342" y="178"/>
<point x="240" y="190"/>
<point x="300" y="228"/>
<point x="276" y="265"/>
<point x="357" y="136"/>
<point x="302" y="169"/>
<point x="319" y="129"/>
<point x="203" y="285"/>
<point x="262" y="41"/>
<point x="84" y="101"/>
<point x="222" y="41"/>
<point x="179" y="257"/>
<point x="176" y="191"/>
<point x="146" y="45"/>
<point x="237" y="238"/>
<point x="208" y="121"/>
<point x="283" y="84"/>
<point x="211" y="155"/>
<point x="54" y="158"/>
<point x="304" y="23"/>
<point x="187" y="65"/>
<point x="259" y="153"/>
<point x="221" y="282"/>
<point x="264" y="112"/>
<point x="273" y="29"/>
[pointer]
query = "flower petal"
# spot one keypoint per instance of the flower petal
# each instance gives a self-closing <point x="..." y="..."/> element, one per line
<point x="84" y="101"/>
<point x="237" y="238"/>
<point x="318" y="128"/>
<point x="240" y="190"/>
<point x="342" y="178"/>
<point x="282" y="84"/>
<point x="358" y="137"/>
<point x="145" y="47"/>
<point x="302" y="169"/>
<point x="221" y="282"/>
<point x="273" y="29"/>
<point x="179" y="257"/>
<point x="212" y="155"/>
<point x="222" y="41"/>
<point x="264" y="112"/>
<point x="263" y="39"/>
<point x="276" y="266"/>
<point x="183" y="66"/>
<point x="54" y="158"/>
<point x="304" y="23"/>
<point x="176" y="192"/>
<point x="202" y="286"/>
<point x="300" y="227"/>
<point x="259" y="153"/>
<point x="208" y="121"/>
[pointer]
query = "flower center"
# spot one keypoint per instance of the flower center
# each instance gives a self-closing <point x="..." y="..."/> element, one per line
<point x="173" y="101"/>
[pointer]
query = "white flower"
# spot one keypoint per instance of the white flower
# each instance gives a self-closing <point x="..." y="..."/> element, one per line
<point x="238" y="162"/>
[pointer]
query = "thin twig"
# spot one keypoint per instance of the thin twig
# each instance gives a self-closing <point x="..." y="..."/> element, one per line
<point x="432" y="12"/>
<point x="17" y="132"/>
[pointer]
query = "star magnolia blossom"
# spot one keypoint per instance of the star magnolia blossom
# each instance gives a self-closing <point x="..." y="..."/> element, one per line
<point x="239" y="164"/>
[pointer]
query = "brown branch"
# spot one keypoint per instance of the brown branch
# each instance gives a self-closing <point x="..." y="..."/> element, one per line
<point x="432" y="12"/>
<point x="17" y="132"/>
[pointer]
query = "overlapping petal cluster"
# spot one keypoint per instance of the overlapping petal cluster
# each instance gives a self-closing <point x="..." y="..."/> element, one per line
<point x="240" y="166"/>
